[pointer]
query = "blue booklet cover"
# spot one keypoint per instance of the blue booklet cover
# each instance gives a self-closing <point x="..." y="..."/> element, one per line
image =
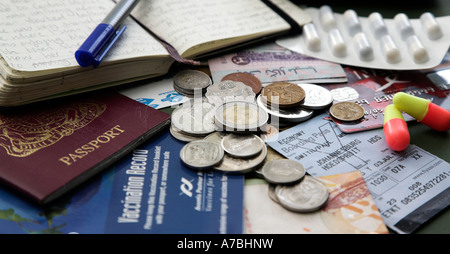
<point x="150" y="191"/>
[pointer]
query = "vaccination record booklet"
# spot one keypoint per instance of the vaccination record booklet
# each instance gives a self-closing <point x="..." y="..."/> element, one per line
<point x="149" y="191"/>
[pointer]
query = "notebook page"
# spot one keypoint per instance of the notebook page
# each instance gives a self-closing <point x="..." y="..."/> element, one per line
<point x="42" y="35"/>
<point x="187" y="23"/>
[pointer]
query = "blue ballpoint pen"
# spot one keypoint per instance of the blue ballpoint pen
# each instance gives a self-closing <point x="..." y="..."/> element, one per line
<point x="101" y="40"/>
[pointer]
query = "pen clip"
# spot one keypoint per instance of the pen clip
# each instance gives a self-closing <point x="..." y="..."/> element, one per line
<point x="98" y="59"/>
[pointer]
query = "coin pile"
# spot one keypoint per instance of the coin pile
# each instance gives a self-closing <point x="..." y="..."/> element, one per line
<point x="308" y="195"/>
<point x="225" y="128"/>
<point x="293" y="103"/>
<point x="191" y="82"/>
<point x="192" y="120"/>
<point x="243" y="153"/>
<point x="290" y="187"/>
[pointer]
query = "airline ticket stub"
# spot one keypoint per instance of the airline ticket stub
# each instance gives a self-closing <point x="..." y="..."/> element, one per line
<point x="409" y="187"/>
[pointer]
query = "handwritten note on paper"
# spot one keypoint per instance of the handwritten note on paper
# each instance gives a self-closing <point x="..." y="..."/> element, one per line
<point x="185" y="23"/>
<point x="41" y="35"/>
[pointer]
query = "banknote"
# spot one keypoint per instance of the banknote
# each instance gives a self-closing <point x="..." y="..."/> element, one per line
<point x="350" y="209"/>
<point x="272" y="63"/>
<point x="374" y="90"/>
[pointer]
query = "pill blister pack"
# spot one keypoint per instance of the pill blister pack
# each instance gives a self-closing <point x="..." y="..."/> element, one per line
<point x="400" y="43"/>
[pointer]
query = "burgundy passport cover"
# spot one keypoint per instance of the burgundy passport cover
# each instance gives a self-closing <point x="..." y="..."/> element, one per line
<point x="49" y="149"/>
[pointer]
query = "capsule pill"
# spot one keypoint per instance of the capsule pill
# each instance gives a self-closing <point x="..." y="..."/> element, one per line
<point x="390" y="49"/>
<point x="312" y="37"/>
<point x="363" y="47"/>
<point x="377" y="24"/>
<point x="403" y="25"/>
<point x="431" y="26"/>
<point x="337" y="43"/>
<point x="327" y="18"/>
<point x="352" y="22"/>
<point x="417" y="49"/>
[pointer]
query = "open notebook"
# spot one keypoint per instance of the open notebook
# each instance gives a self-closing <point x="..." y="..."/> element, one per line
<point x="38" y="40"/>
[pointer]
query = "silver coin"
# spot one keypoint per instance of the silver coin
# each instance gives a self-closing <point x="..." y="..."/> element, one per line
<point x="183" y="136"/>
<point x="242" y="146"/>
<point x="195" y="117"/>
<point x="228" y="90"/>
<point x="317" y="97"/>
<point x="307" y="195"/>
<point x="189" y="81"/>
<point x="283" y="171"/>
<point x="296" y="114"/>
<point x="232" y="164"/>
<point x="201" y="154"/>
<point x="240" y="116"/>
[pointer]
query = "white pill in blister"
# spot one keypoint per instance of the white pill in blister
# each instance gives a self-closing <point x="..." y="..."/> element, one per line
<point x="403" y="25"/>
<point x="390" y="49"/>
<point x="363" y="47"/>
<point x="417" y="49"/>
<point x="337" y="43"/>
<point x="431" y="26"/>
<point x="327" y="18"/>
<point x="352" y="22"/>
<point x="377" y="24"/>
<point x="312" y="37"/>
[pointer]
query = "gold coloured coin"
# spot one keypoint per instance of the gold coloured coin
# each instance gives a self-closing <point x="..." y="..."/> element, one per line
<point x="240" y="116"/>
<point x="283" y="94"/>
<point x="347" y="111"/>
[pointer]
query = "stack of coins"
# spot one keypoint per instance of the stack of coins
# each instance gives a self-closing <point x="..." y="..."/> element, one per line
<point x="243" y="153"/>
<point x="191" y="82"/>
<point x="307" y="195"/>
<point x="290" y="103"/>
<point x="290" y="186"/>
<point x="193" y="120"/>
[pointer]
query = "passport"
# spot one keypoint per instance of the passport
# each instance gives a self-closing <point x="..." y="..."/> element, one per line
<point x="48" y="149"/>
<point x="148" y="191"/>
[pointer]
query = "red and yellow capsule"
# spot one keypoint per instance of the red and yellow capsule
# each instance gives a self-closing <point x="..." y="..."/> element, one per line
<point x="423" y="110"/>
<point x="395" y="129"/>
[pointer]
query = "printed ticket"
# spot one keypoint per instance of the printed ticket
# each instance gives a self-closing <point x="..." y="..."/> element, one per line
<point x="409" y="187"/>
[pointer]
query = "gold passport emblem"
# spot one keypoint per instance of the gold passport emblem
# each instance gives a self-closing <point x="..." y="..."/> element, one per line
<point x="24" y="134"/>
